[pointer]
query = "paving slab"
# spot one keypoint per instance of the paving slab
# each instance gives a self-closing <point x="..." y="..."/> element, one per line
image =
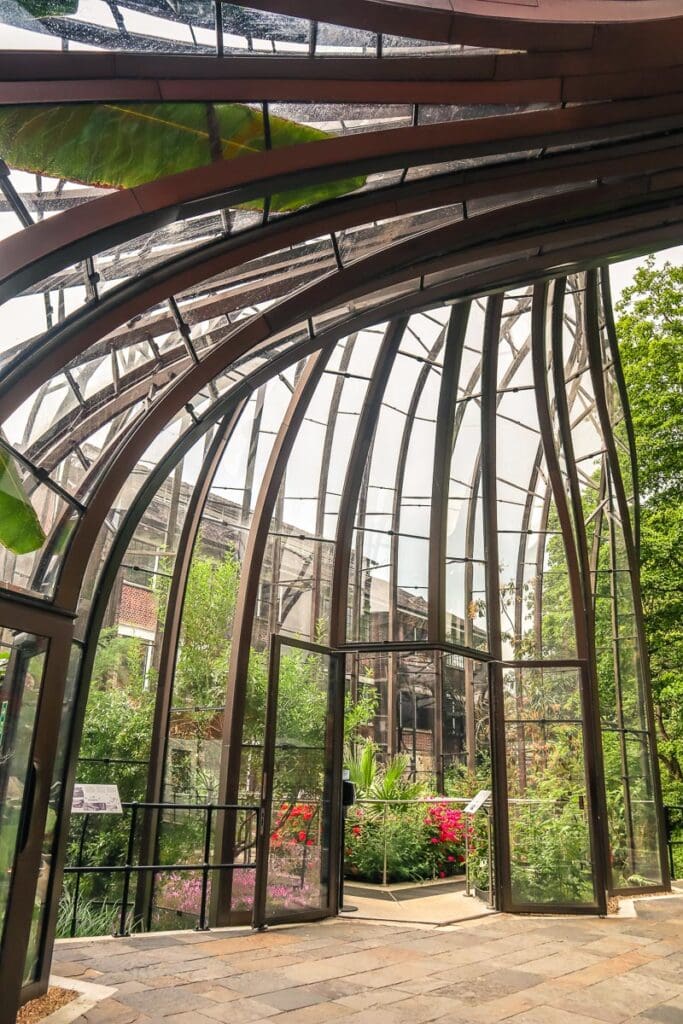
<point x="531" y="970"/>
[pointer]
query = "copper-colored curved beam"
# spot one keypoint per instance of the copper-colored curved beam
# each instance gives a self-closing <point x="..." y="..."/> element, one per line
<point x="25" y="374"/>
<point x="365" y="430"/>
<point x="186" y="387"/>
<point x="506" y="78"/>
<point x="616" y="483"/>
<point x="72" y="235"/>
<point x="547" y="24"/>
<point x="594" y="770"/>
<point x="240" y="650"/>
<point x="256" y="332"/>
<point x="32" y="364"/>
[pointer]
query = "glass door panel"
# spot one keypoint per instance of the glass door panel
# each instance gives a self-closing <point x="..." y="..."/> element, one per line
<point x="22" y="659"/>
<point x="299" y="836"/>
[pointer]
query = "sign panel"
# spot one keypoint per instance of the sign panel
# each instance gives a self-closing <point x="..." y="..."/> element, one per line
<point x="477" y="801"/>
<point x="90" y="799"/>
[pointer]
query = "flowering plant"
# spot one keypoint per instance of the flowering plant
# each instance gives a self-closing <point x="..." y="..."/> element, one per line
<point x="448" y="830"/>
<point x="413" y="843"/>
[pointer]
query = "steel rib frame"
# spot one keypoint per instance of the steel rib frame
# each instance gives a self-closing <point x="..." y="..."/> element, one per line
<point x="237" y="679"/>
<point x="214" y="361"/>
<point x="359" y="272"/>
<point x="356" y="467"/>
<point x="33" y="363"/>
<point x="489" y="379"/>
<point x="563" y="411"/>
<point x="614" y="468"/>
<point x="399" y="479"/>
<point x="328" y="442"/>
<point x="169" y="652"/>
<point x="58" y="241"/>
<point x="592" y="750"/>
<point x="482" y="24"/>
<point x="613" y="342"/>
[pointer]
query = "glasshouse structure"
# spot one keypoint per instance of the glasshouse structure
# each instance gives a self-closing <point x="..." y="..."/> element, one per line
<point x="315" y="441"/>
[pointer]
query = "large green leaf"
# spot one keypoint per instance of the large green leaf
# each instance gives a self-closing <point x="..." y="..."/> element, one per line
<point x="121" y="145"/>
<point x="45" y="8"/>
<point x="20" y="529"/>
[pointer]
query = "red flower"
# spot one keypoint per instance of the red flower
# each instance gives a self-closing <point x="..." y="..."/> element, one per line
<point x="442" y="874"/>
<point x="302" y="836"/>
<point x="309" y="842"/>
<point x="356" y="830"/>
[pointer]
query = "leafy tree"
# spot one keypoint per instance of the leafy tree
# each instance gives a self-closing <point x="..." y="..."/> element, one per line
<point x="204" y="651"/>
<point x="650" y="329"/>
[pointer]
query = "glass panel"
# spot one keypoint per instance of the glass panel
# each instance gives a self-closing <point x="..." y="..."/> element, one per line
<point x="22" y="662"/>
<point x="550" y="850"/>
<point x="300" y="811"/>
<point x="55" y="809"/>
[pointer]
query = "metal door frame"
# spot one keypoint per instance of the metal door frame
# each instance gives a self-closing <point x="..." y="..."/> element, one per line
<point x="55" y="627"/>
<point x="334" y="740"/>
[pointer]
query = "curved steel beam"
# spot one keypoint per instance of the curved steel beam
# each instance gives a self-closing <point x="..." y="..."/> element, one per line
<point x="614" y="470"/>
<point x="594" y="769"/>
<point x="549" y="24"/>
<point x="237" y="680"/>
<point x="365" y="430"/>
<point x="484" y="78"/>
<point x="60" y="240"/>
<point x="32" y="364"/>
<point x="255" y="332"/>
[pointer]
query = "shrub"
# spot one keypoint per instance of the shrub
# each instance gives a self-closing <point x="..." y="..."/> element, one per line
<point x="419" y="842"/>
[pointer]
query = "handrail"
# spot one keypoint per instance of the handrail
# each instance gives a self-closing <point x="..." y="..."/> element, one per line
<point x="432" y="801"/>
<point x="128" y="868"/>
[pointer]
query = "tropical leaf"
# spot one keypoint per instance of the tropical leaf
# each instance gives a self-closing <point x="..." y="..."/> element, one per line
<point x="47" y="8"/>
<point x="121" y="145"/>
<point x="20" y="529"/>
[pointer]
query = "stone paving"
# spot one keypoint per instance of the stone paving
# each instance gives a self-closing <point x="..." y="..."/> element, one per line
<point x="529" y="970"/>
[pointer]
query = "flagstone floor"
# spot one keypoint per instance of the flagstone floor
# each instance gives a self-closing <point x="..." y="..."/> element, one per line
<point x="529" y="970"/>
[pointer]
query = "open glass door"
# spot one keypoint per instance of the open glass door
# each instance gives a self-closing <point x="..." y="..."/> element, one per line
<point x="299" y="831"/>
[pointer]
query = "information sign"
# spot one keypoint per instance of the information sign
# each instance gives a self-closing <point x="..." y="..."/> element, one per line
<point x="477" y="801"/>
<point x="90" y="799"/>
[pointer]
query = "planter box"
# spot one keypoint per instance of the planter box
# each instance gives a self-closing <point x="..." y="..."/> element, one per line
<point x="404" y="890"/>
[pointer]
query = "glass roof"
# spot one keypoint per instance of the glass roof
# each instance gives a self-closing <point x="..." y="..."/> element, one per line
<point x="191" y="27"/>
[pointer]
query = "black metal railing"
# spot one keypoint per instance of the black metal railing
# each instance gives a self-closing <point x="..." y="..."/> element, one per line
<point x="129" y="868"/>
<point x="673" y="819"/>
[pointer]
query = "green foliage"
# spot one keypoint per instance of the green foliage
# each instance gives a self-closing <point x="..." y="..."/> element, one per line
<point x="359" y="713"/>
<point x="119" y="145"/>
<point x="650" y="329"/>
<point x="407" y="846"/>
<point x="208" y="611"/>
<point x="93" y="917"/>
<point x="550" y="856"/>
<point x="374" y="781"/>
<point x="20" y="529"/>
<point x="47" y="8"/>
<point x="119" y="716"/>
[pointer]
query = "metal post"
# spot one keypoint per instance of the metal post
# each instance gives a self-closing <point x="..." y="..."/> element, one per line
<point x="127" y="869"/>
<point x="201" y="926"/>
<point x="468" y="890"/>
<point x="490" y="857"/>
<point x="79" y="862"/>
<point x="384" y="826"/>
